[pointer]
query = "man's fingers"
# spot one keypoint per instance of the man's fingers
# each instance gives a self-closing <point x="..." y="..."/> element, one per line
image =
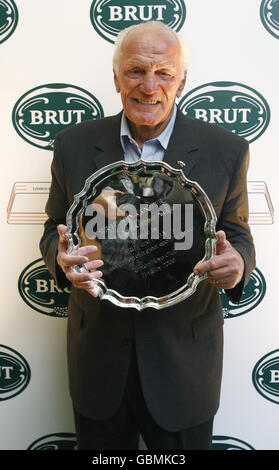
<point x="79" y="256"/>
<point x="222" y="243"/>
<point x="94" y="264"/>
<point x="88" y="285"/>
<point x="221" y="236"/>
<point x="73" y="260"/>
<point x="74" y="277"/>
<point x="217" y="261"/>
<point x="219" y="273"/>
<point x="222" y="283"/>
<point x="76" y="258"/>
<point x="87" y="250"/>
<point x="94" y="291"/>
<point x="96" y="274"/>
<point x="212" y="264"/>
<point x="82" y="279"/>
<point x="201" y="268"/>
<point x="62" y="229"/>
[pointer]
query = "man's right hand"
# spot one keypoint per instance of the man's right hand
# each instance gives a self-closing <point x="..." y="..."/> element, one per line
<point x="83" y="280"/>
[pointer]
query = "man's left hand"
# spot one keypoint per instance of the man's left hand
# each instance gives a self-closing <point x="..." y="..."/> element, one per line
<point x="225" y="269"/>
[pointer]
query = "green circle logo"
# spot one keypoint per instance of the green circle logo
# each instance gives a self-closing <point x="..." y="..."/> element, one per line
<point x="229" y="443"/>
<point x="265" y="376"/>
<point x="269" y="12"/>
<point x="253" y="294"/>
<point x="14" y="373"/>
<point x="47" y="109"/>
<point x="8" y="19"/>
<point x="58" y="441"/>
<point x="39" y="291"/>
<point x="237" y="107"/>
<point x="109" y="17"/>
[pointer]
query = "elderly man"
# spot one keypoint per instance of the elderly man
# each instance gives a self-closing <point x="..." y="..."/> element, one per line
<point x="154" y="373"/>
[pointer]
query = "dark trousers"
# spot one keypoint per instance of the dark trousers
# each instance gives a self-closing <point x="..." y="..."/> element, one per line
<point x="123" y="429"/>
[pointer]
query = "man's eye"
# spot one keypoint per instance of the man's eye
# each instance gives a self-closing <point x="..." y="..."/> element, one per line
<point x="134" y="72"/>
<point x="166" y="74"/>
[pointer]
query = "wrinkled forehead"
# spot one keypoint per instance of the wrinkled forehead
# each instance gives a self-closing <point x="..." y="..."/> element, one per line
<point x="150" y="43"/>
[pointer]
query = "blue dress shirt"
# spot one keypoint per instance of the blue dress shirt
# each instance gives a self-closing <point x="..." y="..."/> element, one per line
<point x="152" y="150"/>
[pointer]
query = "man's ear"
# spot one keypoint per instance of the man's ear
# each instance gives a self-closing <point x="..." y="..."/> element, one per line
<point x="181" y="86"/>
<point x="116" y="81"/>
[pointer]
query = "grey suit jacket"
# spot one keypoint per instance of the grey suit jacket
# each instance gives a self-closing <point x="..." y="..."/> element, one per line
<point x="179" y="349"/>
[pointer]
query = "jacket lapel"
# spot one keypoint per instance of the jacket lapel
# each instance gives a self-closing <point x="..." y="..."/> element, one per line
<point x="108" y="146"/>
<point x="183" y="145"/>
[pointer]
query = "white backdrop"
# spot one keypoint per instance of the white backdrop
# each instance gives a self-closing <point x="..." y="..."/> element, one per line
<point x="49" y="43"/>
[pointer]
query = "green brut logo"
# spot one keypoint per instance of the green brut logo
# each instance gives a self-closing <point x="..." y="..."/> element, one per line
<point x="265" y="376"/>
<point x="229" y="443"/>
<point x="45" y="110"/>
<point x="270" y="16"/>
<point x="39" y="291"/>
<point x="14" y="373"/>
<point x="253" y="294"/>
<point x="236" y="107"/>
<point x="8" y="19"/>
<point x="109" y="17"/>
<point x="59" y="441"/>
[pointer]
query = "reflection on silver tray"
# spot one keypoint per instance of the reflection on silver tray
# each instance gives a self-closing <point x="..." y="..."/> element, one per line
<point x="151" y="225"/>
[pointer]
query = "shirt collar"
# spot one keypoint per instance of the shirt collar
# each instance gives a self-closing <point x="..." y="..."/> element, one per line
<point x="163" y="138"/>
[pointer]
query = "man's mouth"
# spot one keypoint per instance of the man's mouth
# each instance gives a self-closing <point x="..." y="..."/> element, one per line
<point x="147" y="102"/>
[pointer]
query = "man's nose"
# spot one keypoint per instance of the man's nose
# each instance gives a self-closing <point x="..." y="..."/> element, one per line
<point x="149" y="83"/>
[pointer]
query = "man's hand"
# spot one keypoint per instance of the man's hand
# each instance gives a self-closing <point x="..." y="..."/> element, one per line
<point x="225" y="269"/>
<point x="82" y="280"/>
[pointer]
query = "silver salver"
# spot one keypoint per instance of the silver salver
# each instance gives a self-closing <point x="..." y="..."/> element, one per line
<point x="151" y="226"/>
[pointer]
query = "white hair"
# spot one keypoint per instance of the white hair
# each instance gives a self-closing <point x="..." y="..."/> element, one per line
<point x="158" y="24"/>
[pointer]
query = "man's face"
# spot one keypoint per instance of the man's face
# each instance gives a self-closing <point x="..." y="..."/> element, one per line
<point x="149" y="77"/>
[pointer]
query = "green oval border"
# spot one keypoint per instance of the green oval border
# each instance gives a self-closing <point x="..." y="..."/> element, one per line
<point x="223" y="438"/>
<point x="23" y="297"/>
<point x="100" y="32"/>
<point x="16" y="16"/>
<point x="255" y="383"/>
<point x="54" y="86"/>
<point x="261" y="296"/>
<point x="27" y="368"/>
<point x="65" y="435"/>
<point x="263" y="19"/>
<point x="226" y="84"/>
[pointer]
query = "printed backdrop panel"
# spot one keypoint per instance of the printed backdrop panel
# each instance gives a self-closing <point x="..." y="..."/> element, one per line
<point x="56" y="70"/>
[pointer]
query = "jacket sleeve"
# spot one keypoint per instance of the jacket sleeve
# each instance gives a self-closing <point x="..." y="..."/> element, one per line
<point x="56" y="209"/>
<point x="234" y="221"/>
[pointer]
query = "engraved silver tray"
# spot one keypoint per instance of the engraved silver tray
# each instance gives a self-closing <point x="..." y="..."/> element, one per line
<point x="151" y="226"/>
